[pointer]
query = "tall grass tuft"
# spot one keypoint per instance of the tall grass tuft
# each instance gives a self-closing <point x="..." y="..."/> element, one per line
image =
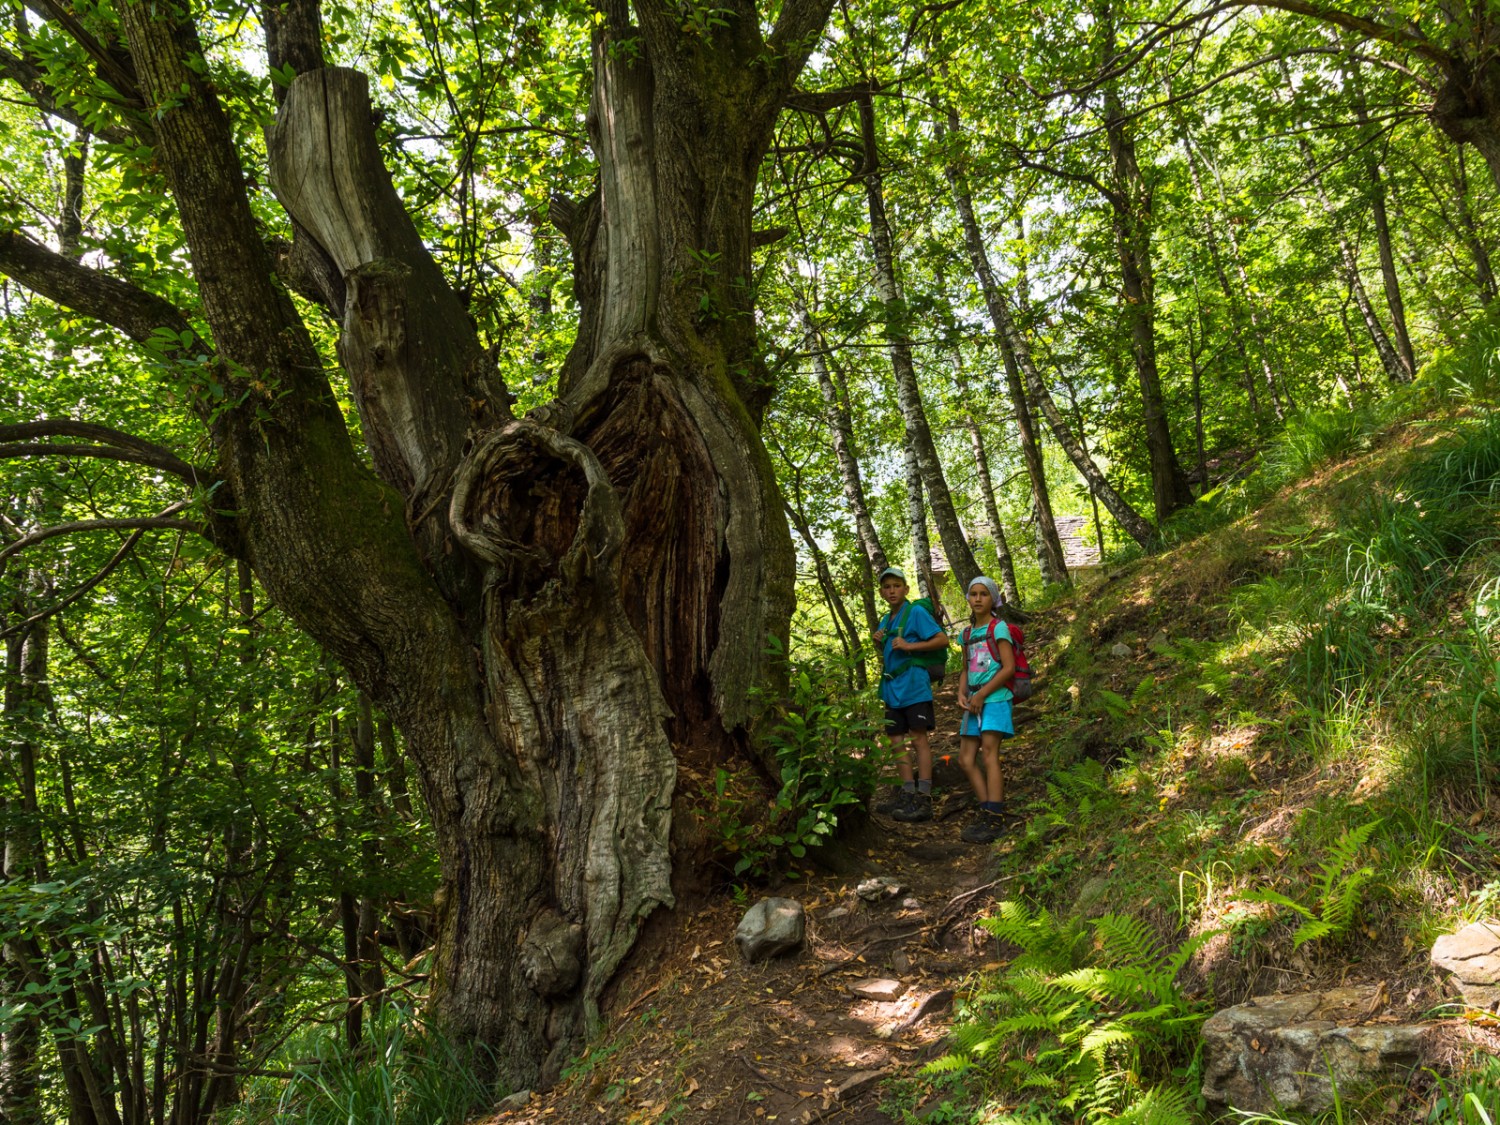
<point x="404" y="1073"/>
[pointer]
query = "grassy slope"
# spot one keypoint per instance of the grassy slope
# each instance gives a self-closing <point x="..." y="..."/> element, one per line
<point x="1327" y="661"/>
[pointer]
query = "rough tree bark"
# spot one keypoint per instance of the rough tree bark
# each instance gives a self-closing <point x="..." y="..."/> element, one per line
<point x="986" y="483"/>
<point x="552" y="609"/>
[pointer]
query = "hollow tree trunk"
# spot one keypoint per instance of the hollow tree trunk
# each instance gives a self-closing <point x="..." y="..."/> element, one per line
<point x="542" y="606"/>
<point x="908" y="392"/>
<point x="1050" y="552"/>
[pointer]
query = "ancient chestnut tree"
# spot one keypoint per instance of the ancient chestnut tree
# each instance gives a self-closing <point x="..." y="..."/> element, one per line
<point x="557" y="610"/>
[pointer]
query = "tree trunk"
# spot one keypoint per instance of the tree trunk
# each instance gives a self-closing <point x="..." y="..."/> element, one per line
<point x="524" y="598"/>
<point x="987" y="487"/>
<point x="898" y="339"/>
<point x="921" y="541"/>
<point x="1484" y="271"/>
<point x="1012" y="340"/>
<point x="1376" y="178"/>
<point x="1050" y="552"/>
<point x="841" y="429"/>
<point x="1131" y="203"/>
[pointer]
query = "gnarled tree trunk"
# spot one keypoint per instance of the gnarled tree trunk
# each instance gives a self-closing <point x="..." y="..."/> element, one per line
<point x="554" y="610"/>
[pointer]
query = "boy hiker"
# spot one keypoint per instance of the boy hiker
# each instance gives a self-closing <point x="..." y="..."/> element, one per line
<point x="906" y="688"/>
<point x="984" y="698"/>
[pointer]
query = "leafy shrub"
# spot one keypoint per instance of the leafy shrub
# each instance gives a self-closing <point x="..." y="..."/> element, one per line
<point x="829" y="753"/>
<point x="1085" y="1019"/>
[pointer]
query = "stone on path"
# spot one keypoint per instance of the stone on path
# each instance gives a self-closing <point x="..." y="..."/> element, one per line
<point x="1120" y="648"/>
<point x="882" y="988"/>
<point x="1473" y="957"/>
<point x="770" y="927"/>
<point x="1276" y="1053"/>
<point x="881" y="886"/>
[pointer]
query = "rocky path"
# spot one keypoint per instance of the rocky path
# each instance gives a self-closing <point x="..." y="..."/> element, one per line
<point x="824" y="1034"/>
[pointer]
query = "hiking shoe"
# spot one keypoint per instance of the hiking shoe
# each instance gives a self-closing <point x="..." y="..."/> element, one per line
<point x="986" y="827"/>
<point x="893" y="802"/>
<point x="914" y="806"/>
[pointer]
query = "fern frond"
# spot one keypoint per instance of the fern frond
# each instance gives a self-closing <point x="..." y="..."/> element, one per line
<point x="1311" y="931"/>
<point x="1124" y="940"/>
<point x="1343" y="853"/>
<point x="1275" y="898"/>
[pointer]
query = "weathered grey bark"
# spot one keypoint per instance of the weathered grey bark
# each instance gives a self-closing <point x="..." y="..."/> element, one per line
<point x="1130" y="199"/>
<point x="987" y="488"/>
<point x="521" y="597"/>
<point x="898" y="340"/>
<point x="1050" y="553"/>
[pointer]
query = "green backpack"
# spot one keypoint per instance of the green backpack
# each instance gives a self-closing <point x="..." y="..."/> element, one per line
<point x="934" y="663"/>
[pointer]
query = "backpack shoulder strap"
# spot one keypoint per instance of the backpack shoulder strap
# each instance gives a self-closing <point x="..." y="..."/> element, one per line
<point x="989" y="639"/>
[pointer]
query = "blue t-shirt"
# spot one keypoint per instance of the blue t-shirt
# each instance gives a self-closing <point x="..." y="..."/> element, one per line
<point x="982" y="666"/>
<point x="913" y="685"/>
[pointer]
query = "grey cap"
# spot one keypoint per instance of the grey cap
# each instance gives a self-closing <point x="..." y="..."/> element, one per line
<point x="892" y="572"/>
<point x="988" y="584"/>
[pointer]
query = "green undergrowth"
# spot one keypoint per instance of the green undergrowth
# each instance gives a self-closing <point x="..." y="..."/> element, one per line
<point x="1274" y="748"/>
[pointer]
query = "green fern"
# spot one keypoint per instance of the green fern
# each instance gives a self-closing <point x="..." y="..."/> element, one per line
<point x="1339" y="890"/>
<point x="1081" y="1017"/>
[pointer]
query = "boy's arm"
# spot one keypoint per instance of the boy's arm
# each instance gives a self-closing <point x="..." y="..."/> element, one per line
<point x="936" y="641"/>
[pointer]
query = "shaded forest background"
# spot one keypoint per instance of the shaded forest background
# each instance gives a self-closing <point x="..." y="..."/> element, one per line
<point x="1013" y="263"/>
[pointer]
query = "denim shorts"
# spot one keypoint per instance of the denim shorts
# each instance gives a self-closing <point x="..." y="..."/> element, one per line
<point x="996" y="717"/>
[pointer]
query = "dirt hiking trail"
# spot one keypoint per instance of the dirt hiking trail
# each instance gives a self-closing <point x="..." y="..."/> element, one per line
<point x="696" y="1036"/>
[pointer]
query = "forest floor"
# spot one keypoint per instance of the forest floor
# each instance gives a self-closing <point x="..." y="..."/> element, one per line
<point x="698" y="1036"/>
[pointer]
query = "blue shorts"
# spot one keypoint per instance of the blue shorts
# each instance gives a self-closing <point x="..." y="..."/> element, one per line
<point x="996" y="717"/>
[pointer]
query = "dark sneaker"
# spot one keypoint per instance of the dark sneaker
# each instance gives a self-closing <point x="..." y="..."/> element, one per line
<point x="891" y="803"/>
<point x="915" y="806"/>
<point x="986" y="827"/>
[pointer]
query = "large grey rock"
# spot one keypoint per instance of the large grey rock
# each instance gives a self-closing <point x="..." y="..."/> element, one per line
<point x="1473" y="957"/>
<point x="770" y="927"/>
<point x="1278" y="1052"/>
<point x="1120" y="648"/>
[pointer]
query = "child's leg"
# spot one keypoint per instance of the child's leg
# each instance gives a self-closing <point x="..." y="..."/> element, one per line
<point x="924" y="756"/>
<point x="994" y="784"/>
<point x="968" y="747"/>
<point x="903" y="758"/>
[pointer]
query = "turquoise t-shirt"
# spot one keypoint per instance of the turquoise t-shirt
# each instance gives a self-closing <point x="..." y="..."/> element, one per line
<point x="913" y="685"/>
<point x="982" y="666"/>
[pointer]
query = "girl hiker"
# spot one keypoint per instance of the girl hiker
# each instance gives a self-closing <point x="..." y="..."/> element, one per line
<point x="906" y="689"/>
<point x="984" y="698"/>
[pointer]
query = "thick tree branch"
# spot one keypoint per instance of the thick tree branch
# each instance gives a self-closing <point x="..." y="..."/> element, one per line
<point x="163" y="521"/>
<point x="92" y="293"/>
<point x="797" y="30"/>
<point x="114" y="66"/>
<point x="28" y="76"/>
<point x="110" y="444"/>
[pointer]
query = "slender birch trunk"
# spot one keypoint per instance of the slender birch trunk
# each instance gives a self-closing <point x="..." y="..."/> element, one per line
<point x="898" y="340"/>
<point x="1049" y="547"/>
<point x="986" y="487"/>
